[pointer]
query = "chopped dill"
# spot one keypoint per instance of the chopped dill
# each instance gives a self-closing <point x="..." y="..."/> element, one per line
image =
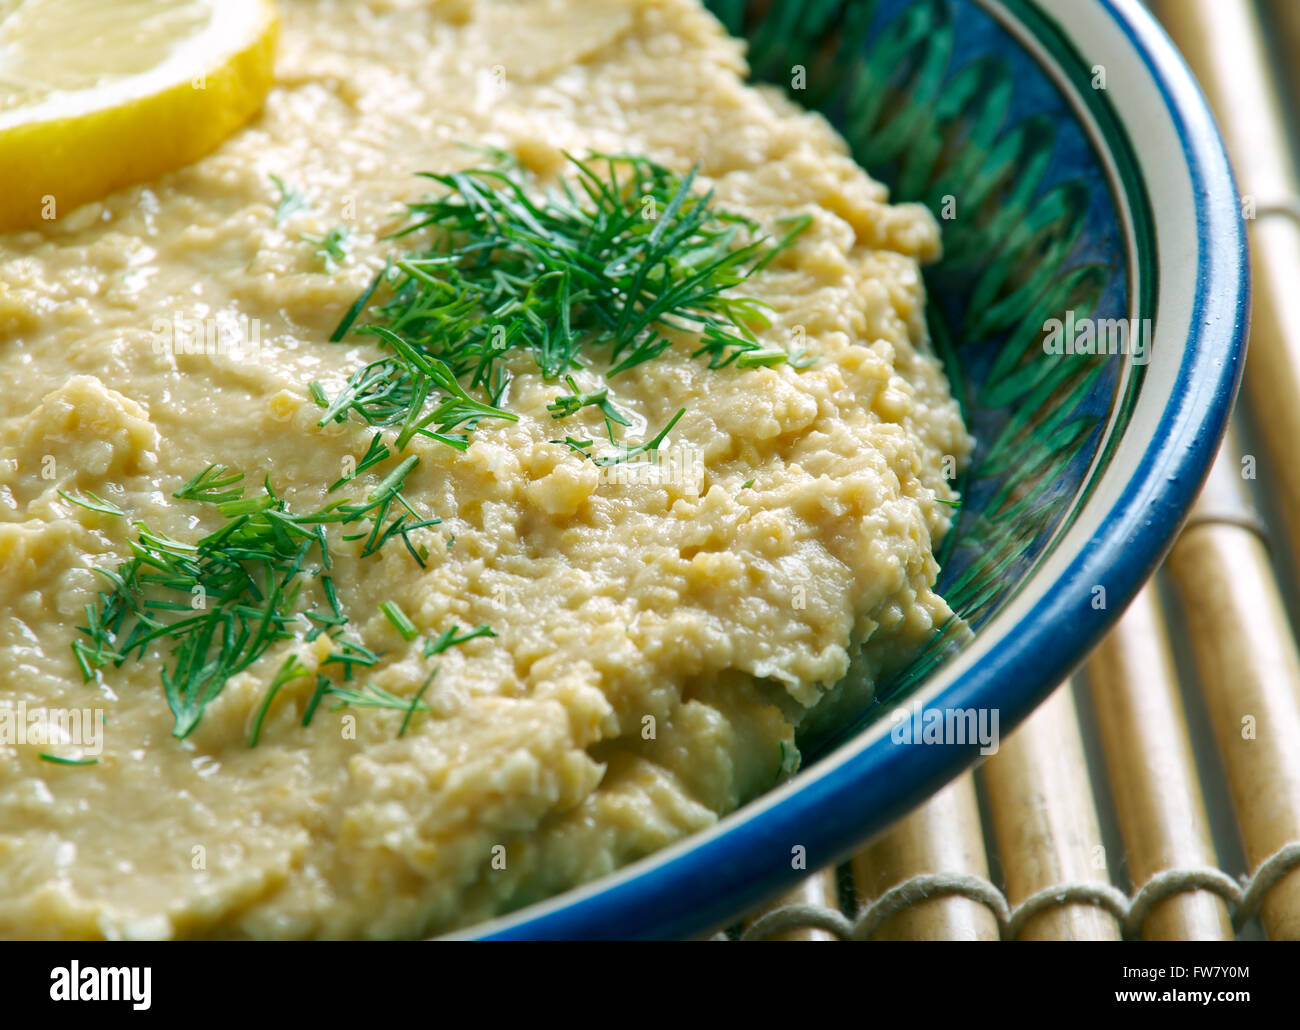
<point x="375" y="453"/>
<point x="332" y="249"/>
<point x="568" y="404"/>
<point x="448" y="639"/>
<point x="401" y="622"/>
<point x="291" y="669"/>
<point x="393" y="390"/>
<point x="582" y="447"/>
<point x="416" y="702"/>
<point x="369" y="696"/>
<point x="628" y="453"/>
<point x="322" y="687"/>
<point x="352" y="654"/>
<point x="291" y="201"/>
<point x="220" y="604"/>
<point x="614" y="264"/>
<point x="617" y="258"/>
<point x="375" y="696"/>
<point x="93" y="502"/>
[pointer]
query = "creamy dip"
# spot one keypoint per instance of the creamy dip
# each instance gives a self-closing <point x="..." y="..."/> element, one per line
<point x="659" y="637"/>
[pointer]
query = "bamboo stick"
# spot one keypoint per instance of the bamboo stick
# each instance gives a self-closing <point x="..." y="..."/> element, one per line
<point x="821" y="890"/>
<point x="942" y="836"/>
<point x="1283" y="16"/>
<point x="1152" y="773"/>
<point x="1250" y="672"/>
<point x="1224" y="43"/>
<point x="1045" y="822"/>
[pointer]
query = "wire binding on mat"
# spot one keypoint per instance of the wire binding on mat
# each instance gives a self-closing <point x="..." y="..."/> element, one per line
<point x="1243" y="900"/>
<point x="799" y="917"/>
<point x="920" y="888"/>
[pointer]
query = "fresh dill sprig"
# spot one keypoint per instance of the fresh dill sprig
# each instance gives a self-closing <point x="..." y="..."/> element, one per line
<point x="350" y="655"/>
<point x="448" y="639"/>
<point x="416" y="702"/>
<point x="628" y="453"/>
<point x="369" y="696"/>
<point x="93" y="502"/>
<point x="374" y="696"/>
<point x="333" y="248"/>
<point x="291" y="669"/>
<point x="239" y="587"/>
<point x="211" y="484"/>
<point x="222" y="603"/>
<point x="618" y="257"/>
<point x="58" y="760"/>
<point x="582" y="447"/>
<point x="375" y="453"/>
<point x="322" y="688"/>
<point x="292" y="200"/>
<point x="574" y="401"/>
<point x="376" y="507"/>
<point x="393" y="391"/>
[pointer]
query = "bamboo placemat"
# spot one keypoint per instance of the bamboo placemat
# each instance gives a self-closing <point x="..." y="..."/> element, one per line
<point x="1156" y="795"/>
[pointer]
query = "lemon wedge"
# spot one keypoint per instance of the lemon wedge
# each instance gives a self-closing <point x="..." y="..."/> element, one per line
<point x="95" y="96"/>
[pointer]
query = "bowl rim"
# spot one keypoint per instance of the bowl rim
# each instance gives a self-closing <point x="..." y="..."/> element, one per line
<point x="708" y="877"/>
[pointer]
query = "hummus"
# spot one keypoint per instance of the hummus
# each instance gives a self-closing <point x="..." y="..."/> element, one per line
<point x="659" y="637"/>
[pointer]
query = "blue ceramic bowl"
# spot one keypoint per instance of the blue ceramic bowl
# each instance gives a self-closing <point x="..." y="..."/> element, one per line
<point x="1079" y="177"/>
